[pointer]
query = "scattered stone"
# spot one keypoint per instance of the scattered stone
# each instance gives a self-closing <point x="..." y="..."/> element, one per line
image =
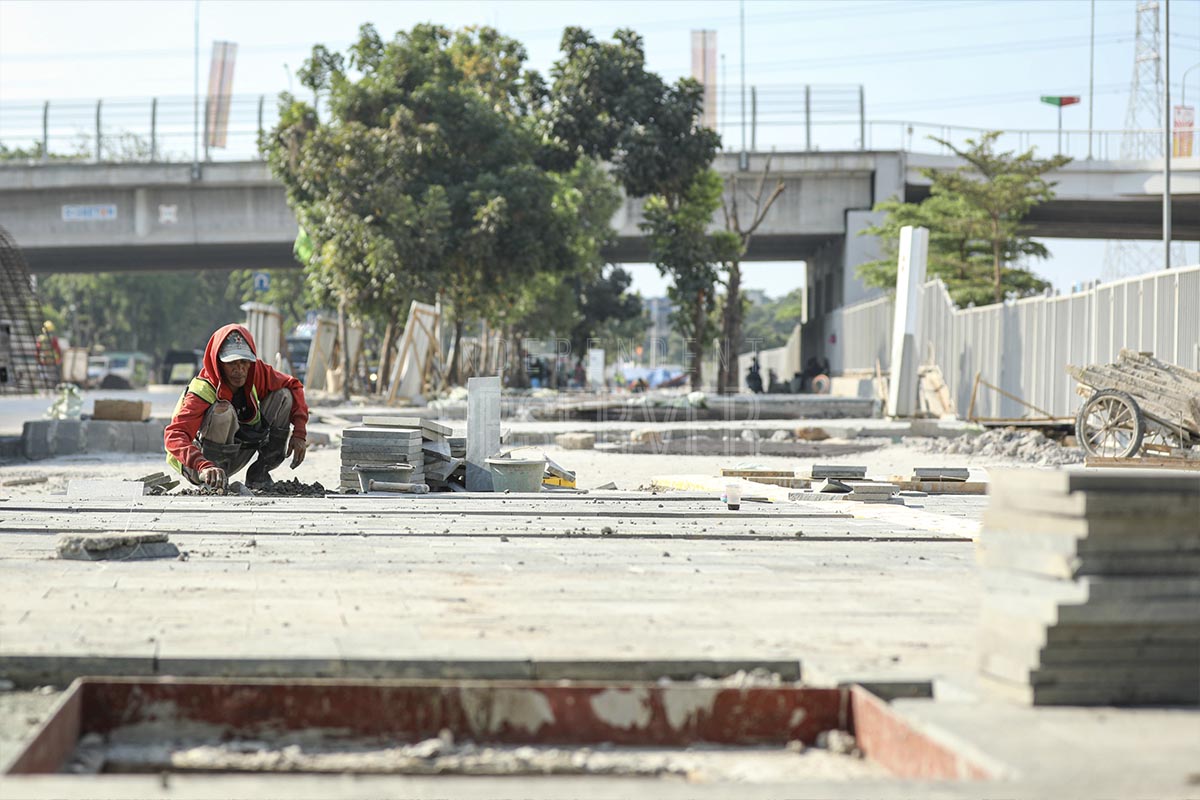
<point x="115" y="546"/>
<point x="811" y="434"/>
<point x="646" y="436"/>
<point x="840" y="742"/>
<point x="576" y="441"/>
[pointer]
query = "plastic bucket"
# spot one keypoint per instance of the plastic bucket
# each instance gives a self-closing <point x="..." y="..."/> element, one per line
<point x="393" y="473"/>
<point x="517" y="474"/>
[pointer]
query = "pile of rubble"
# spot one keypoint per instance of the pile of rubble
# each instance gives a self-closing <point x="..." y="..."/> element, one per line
<point x="1030" y="446"/>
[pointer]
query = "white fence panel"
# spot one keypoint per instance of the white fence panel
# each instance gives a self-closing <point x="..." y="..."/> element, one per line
<point x="1023" y="346"/>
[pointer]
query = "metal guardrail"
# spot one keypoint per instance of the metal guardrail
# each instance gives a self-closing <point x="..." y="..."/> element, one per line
<point x="811" y="118"/>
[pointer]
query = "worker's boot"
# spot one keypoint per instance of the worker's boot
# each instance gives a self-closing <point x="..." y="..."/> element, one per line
<point x="270" y="456"/>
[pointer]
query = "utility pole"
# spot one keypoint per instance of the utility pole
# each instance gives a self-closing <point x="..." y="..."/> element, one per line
<point x="744" y="161"/>
<point x="196" y="97"/>
<point x="1167" y="134"/>
<point x="1091" y="78"/>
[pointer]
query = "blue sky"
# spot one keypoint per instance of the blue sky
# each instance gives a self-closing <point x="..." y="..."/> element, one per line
<point x="980" y="63"/>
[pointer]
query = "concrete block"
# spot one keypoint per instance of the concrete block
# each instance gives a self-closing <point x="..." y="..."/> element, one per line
<point x="576" y="441"/>
<point x="121" y="410"/>
<point x="103" y="436"/>
<point x="148" y="437"/>
<point x="115" y="546"/>
<point x="67" y="437"/>
<point x="35" y="439"/>
<point x="646" y="436"/>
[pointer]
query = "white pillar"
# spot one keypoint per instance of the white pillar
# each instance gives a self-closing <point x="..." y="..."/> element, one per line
<point x="483" y="430"/>
<point x="906" y="323"/>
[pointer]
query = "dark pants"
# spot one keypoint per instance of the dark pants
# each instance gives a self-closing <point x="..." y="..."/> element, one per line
<point x="230" y="444"/>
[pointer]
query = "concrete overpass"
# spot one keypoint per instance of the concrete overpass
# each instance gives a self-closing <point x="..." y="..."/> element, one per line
<point x="98" y="217"/>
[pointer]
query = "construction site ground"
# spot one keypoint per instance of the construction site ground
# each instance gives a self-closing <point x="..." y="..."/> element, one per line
<point x="619" y="585"/>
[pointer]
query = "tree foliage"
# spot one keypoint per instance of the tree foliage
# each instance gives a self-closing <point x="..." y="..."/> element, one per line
<point x="684" y="250"/>
<point x="152" y="312"/>
<point x="974" y="215"/>
<point x="438" y="163"/>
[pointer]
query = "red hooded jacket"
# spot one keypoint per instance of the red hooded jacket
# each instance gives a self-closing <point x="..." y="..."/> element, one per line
<point x="189" y="414"/>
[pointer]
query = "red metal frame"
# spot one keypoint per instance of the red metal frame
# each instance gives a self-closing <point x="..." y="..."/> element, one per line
<point x="509" y="712"/>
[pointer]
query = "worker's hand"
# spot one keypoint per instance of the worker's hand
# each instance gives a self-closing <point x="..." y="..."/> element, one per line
<point x="213" y="476"/>
<point x="295" y="449"/>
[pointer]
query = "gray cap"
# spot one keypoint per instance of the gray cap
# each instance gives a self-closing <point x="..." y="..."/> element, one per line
<point x="236" y="348"/>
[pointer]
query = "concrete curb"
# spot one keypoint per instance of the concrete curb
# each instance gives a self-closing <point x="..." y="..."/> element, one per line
<point x="47" y="438"/>
<point x="29" y="670"/>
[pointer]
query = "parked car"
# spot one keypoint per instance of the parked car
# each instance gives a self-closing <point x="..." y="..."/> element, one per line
<point x="180" y="366"/>
<point x="119" y="370"/>
<point x="298" y="345"/>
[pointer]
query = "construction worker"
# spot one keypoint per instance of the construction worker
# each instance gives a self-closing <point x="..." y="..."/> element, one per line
<point x="235" y="408"/>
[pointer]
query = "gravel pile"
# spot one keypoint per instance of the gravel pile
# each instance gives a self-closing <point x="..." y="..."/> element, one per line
<point x="1021" y="445"/>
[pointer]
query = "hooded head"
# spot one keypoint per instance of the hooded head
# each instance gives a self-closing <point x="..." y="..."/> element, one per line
<point x="233" y="348"/>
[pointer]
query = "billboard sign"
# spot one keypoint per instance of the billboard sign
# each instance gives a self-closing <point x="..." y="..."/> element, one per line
<point x="1183" y="134"/>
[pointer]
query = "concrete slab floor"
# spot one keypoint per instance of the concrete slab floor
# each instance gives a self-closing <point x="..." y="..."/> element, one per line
<point x="306" y="583"/>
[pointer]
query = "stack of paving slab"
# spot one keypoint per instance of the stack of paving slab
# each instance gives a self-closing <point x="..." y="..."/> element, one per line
<point x="1092" y="587"/>
<point x="439" y="465"/>
<point x="380" y="446"/>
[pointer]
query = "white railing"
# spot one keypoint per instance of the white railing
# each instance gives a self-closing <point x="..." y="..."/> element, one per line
<point x="796" y="119"/>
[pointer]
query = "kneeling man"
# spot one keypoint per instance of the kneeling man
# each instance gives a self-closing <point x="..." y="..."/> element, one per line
<point x="236" y="408"/>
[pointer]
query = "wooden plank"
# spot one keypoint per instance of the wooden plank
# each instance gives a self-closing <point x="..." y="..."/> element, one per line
<point x="1154" y="462"/>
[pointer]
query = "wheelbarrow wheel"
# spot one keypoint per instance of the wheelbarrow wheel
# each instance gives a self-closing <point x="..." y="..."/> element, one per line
<point x="1110" y="424"/>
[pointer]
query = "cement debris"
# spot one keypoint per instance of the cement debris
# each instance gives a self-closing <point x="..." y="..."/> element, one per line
<point x="293" y="488"/>
<point x="840" y="742"/>
<point x="115" y="546"/>
<point x="1022" y="445"/>
<point x="442" y="755"/>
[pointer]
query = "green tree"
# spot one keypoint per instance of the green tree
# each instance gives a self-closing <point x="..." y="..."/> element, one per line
<point x="768" y="325"/>
<point x="288" y="291"/>
<point x="735" y="203"/>
<point x="683" y="250"/>
<point x="153" y="312"/>
<point x="974" y="215"/>
<point x="425" y="176"/>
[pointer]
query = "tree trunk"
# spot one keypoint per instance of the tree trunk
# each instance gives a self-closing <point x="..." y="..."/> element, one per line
<point x="345" y="342"/>
<point x="731" y="332"/>
<point x="696" y="349"/>
<point x="385" y="356"/>
<point x="997" y="287"/>
<point x="455" y="364"/>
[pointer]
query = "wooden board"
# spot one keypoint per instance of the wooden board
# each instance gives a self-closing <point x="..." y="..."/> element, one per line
<point x="1153" y="462"/>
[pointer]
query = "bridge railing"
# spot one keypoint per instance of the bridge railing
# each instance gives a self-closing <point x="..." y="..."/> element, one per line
<point x="170" y="129"/>
<point x="178" y="129"/>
